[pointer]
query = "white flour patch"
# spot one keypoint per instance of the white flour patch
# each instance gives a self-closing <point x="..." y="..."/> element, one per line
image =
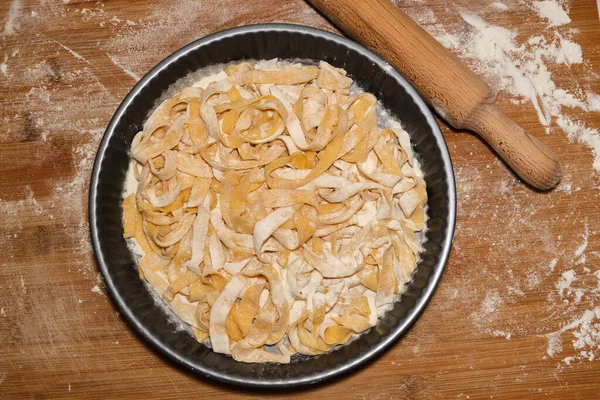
<point x="552" y="11"/>
<point x="523" y="66"/>
<point x="564" y="284"/>
<point x="533" y="280"/>
<point x="585" y="337"/>
<point x="10" y="211"/>
<point x="593" y="100"/>
<point x="87" y="14"/>
<point x="491" y="302"/>
<point x="578" y="131"/>
<point x="127" y="71"/>
<point x="4" y="66"/>
<point x="40" y="73"/>
<point x="38" y="93"/>
<point x="522" y="69"/>
<point x="177" y="23"/>
<point x="586" y="236"/>
<point x="421" y="15"/>
<point x="498" y="333"/>
<point x="11" y="24"/>
<point x="488" y="313"/>
<point x="577" y="287"/>
<point x="499" y="6"/>
<point x="552" y="265"/>
<point x="73" y="53"/>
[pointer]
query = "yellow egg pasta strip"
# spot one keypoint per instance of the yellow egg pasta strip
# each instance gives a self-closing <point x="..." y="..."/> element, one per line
<point x="182" y="282"/>
<point x="153" y="267"/>
<point x="276" y="198"/>
<point x="220" y="310"/>
<point x="256" y="355"/>
<point x="129" y="216"/>
<point x="264" y="228"/>
<point x="148" y="149"/>
<point x="244" y="311"/>
<point x="278" y="297"/>
<point x="168" y="167"/>
<point x="332" y="78"/>
<point x="193" y="166"/>
<point x="284" y="76"/>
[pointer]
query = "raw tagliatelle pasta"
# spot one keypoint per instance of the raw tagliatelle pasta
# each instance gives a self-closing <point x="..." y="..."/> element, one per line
<point x="274" y="215"/>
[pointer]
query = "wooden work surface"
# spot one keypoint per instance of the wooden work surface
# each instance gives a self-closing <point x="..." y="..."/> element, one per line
<point x="502" y="323"/>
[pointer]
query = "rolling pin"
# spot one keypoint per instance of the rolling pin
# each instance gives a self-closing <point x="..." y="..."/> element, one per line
<point x="458" y="95"/>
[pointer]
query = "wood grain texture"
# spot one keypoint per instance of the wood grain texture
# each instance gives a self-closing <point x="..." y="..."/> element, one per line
<point x="463" y="99"/>
<point x="64" y="68"/>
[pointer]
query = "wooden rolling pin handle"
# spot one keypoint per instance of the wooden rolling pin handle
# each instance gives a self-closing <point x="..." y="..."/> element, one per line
<point x="527" y="156"/>
<point x="454" y="91"/>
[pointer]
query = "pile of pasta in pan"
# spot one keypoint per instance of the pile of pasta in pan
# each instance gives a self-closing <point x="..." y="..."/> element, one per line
<point x="273" y="213"/>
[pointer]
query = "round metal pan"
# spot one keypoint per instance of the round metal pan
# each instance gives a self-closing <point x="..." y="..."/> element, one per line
<point x="256" y="42"/>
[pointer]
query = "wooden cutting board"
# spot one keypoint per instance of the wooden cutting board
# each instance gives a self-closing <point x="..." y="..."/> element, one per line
<point x="498" y="326"/>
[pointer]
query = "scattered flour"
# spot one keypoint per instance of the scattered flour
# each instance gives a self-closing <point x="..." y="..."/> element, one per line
<point x="11" y="24"/>
<point x="73" y="53"/>
<point x="564" y="284"/>
<point x="497" y="333"/>
<point x="491" y="302"/>
<point x="179" y="22"/>
<point x="499" y="6"/>
<point x="533" y="280"/>
<point x="421" y="15"/>
<point x="581" y="249"/>
<point x="573" y="288"/>
<point x="577" y="131"/>
<point x="585" y="331"/>
<point x="514" y="274"/>
<point x="552" y="264"/>
<point x="40" y="73"/>
<point x="4" y="66"/>
<point x="522" y="66"/>
<point x="593" y="99"/>
<point x="522" y="69"/>
<point x="553" y="12"/>
<point x="126" y="70"/>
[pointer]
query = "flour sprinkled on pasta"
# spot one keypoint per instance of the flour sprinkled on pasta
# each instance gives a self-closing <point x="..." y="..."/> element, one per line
<point x="271" y="211"/>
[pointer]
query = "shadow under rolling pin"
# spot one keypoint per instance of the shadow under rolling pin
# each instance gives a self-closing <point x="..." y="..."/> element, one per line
<point x="458" y="95"/>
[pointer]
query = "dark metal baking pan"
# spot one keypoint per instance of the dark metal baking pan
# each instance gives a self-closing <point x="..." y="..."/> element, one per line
<point x="118" y="267"/>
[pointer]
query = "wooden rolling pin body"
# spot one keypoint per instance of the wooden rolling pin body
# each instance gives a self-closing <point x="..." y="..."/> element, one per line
<point x="453" y="90"/>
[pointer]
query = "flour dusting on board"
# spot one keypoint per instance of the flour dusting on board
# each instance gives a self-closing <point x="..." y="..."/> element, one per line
<point x="521" y="68"/>
<point x="526" y="257"/>
<point x="12" y="22"/>
<point x="553" y="12"/>
<point x="61" y="122"/>
<point x="182" y="21"/>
